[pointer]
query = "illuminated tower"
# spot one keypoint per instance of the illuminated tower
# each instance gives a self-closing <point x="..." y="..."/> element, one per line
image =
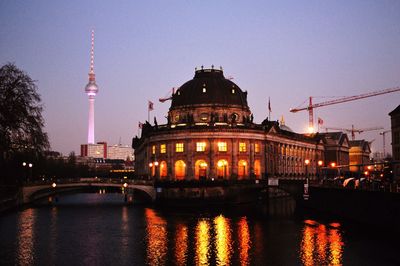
<point x="91" y="90"/>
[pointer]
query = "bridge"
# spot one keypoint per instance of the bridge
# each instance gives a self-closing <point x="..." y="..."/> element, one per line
<point x="147" y="189"/>
<point x="33" y="192"/>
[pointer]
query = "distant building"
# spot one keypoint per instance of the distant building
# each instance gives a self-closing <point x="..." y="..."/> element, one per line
<point x="337" y="147"/>
<point x="102" y="151"/>
<point x="359" y="154"/>
<point x="119" y="152"/>
<point x="395" y="126"/>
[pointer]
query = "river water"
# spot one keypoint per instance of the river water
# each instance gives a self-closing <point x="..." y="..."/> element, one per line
<point x="98" y="229"/>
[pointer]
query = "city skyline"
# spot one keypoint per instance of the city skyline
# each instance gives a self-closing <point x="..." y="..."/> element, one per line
<point x="285" y="52"/>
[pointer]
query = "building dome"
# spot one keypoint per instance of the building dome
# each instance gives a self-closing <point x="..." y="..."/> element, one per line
<point x="209" y="87"/>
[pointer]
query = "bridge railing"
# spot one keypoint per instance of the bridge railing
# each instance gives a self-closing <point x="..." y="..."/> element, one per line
<point x="90" y="180"/>
<point x="367" y="185"/>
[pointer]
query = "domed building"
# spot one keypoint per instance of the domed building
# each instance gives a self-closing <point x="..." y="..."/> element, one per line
<point x="210" y="134"/>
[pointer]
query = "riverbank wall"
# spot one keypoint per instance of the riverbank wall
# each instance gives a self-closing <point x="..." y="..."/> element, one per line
<point x="368" y="207"/>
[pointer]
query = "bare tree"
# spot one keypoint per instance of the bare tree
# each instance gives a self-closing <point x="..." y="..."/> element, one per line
<point x="21" y="121"/>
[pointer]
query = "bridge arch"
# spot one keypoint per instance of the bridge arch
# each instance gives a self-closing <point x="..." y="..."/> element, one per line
<point x="34" y="193"/>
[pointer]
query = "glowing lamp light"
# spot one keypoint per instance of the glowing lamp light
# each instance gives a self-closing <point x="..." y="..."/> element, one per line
<point x="244" y="163"/>
<point x="320" y="163"/>
<point x="150" y="164"/>
<point x="220" y="164"/>
<point x="24" y="164"/>
<point x="156" y="163"/>
<point x="333" y="164"/>
<point x="369" y="167"/>
<point x="125" y="185"/>
<point x="310" y="130"/>
<point x="54" y="185"/>
<point x="307" y="161"/>
<point x="366" y="173"/>
<point x="30" y="165"/>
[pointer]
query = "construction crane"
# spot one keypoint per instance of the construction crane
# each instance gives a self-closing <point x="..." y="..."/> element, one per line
<point x="312" y="105"/>
<point x="169" y="95"/>
<point x="353" y="130"/>
<point x="383" y="133"/>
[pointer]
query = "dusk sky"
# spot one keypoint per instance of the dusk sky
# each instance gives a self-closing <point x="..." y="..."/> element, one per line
<point x="285" y="50"/>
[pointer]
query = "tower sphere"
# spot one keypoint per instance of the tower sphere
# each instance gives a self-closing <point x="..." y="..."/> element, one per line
<point x="91" y="88"/>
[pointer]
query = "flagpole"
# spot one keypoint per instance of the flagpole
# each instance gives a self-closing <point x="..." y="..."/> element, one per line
<point x="269" y="109"/>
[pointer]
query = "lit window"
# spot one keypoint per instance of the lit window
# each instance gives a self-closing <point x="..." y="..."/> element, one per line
<point x="200" y="146"/>
<point x="242" y="147"/>
<point x="153" y="149"/>
<point x="204" y="90"/>
<point x="222" y="146"/>
<point x="233" y="91"/>
<point x="163" y="148"/>
<point x="257" y="148"/>
<point x="179" y="147"/>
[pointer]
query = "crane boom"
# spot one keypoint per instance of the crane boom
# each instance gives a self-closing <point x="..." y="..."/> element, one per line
<point x="311" y="105"/>
<point x="169" y="96"/>
<point x="353" y="130"/>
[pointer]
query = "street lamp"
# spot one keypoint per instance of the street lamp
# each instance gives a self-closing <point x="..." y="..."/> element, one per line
<point x="305" y="195"/>
<point x="28" y="165"/>
<point x="320" y="163"/>
<point x="307" y="162"/>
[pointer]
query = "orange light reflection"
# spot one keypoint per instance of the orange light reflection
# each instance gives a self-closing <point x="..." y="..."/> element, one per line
<point x="181" y="244"/>
<point x="202" y="243"/>
<point x="244" y="241"/>
<point x="222" y="240"/>
<point x="156" y="238"/>
<point x="321" y="245"/>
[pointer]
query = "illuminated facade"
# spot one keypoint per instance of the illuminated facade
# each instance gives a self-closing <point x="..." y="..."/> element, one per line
<point x="210" y="133"/>
<point x="102" y="151"/>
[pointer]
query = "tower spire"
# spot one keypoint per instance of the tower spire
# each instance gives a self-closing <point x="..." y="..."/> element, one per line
<point x="91" y="90"/>
<point x="91" y="71"/>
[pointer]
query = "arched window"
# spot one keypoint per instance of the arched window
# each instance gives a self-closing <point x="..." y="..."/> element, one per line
<point x="257" y="168"/>
<point x="242" y="169"/>
<point x="163" y="169"/>
<point x="222" y="169"/>
<point x="200" y="169"/>
<point x="180" y="170"/>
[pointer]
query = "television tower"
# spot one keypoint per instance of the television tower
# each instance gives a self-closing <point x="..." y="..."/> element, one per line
<point x="91" y="90"/>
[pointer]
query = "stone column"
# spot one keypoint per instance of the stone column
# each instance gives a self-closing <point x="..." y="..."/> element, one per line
<point x="189" y="157"/>
<point x="170" y="160"/>
<point x="251" y="159"/>
<point x="234" y="162"/>
<point x="212" y="162"/>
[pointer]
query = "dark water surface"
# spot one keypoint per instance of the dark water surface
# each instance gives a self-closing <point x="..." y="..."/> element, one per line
<point x="98" y="229"/>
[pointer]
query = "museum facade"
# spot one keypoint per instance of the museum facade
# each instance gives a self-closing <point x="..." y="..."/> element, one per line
<point x="210" y="134"/>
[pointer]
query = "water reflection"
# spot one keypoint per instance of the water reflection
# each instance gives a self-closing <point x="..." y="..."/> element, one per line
<point x="53" y="236"/>
<point x="223" y="240"/>
<point x="25" y="237"/>
<point x="202" y="242"/>
<point x="125" y="232"/>
<point x="244" y="241"/>
<point x="321" y="244"/>
<point x="156" y="238"/>
<point x="181" y="244"/>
